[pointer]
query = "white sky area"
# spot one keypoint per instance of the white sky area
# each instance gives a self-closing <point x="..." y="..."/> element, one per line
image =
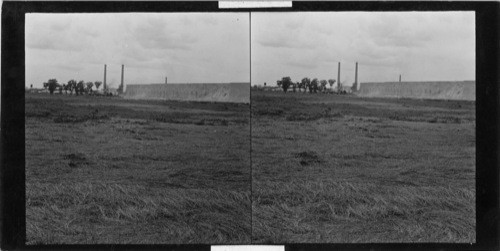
<point x="185" y="47"/>
<point x="421" y="46"/>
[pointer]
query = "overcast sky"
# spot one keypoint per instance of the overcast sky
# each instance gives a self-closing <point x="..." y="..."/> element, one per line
<point x="186" y="47"/>
<point x="421" y="46"/>
<point x="214" y="47"/>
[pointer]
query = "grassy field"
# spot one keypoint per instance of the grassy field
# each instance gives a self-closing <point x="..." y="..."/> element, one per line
<point x="325" y="168"/>
<point x="329" y="168"/>
<point x="108" y="170"/>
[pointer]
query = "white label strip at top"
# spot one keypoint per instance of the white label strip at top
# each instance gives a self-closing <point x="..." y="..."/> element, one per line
<point x="254" y="4"/>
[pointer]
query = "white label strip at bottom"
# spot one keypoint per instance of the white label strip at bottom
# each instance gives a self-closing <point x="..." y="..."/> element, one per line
<point x="248" y="248"/>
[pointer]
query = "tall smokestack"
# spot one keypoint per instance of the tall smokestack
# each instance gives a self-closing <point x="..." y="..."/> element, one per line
<point x="338" y="80"/>
<point x="165" y="80"/>
<point x="399" y="78"/>
<point x="104" y="84"/>
<point x="121" y="83"/>
<point x="356" y="75"/>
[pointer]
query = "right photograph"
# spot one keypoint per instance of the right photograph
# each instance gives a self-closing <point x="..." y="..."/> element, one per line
<point x="363" y="127"/>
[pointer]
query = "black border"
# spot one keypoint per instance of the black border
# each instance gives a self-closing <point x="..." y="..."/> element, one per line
<point x="487" y="113"/>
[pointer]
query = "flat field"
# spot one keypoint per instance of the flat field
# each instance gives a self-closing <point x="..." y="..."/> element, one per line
<point x="344" y="169"/>
<point x="108" y="170"/>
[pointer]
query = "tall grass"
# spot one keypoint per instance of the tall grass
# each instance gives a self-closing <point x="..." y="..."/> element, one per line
<point x="337" y="169"/>
<point x="304" y="209"/>
<point x="113" y="171"/>
<point x="91" y="213"/>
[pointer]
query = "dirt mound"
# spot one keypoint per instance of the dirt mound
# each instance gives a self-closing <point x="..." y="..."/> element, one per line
<point x="460" y="90"/>
<point x="232" y="92"/>
<point x="308" y="158"/>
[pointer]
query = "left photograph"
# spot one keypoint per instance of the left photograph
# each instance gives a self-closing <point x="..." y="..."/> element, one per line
<point x="137" y="128"/>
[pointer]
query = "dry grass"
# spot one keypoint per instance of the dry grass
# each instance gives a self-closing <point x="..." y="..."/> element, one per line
<point x="362" y="170"/>
<point x="107" y="170"/>
<point x="89" y="213"/>
<point x="325" y="168"/>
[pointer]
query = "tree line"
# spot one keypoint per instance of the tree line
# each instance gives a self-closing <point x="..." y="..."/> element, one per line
<point x="81" y="87"/>
<point x="313" y="85"/>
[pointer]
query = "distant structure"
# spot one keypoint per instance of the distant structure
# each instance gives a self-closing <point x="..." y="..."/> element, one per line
<point x="356" y="78"/>
<point x="445" y="90"/>
<point x="166" y="80"/>
<point x="355" y="85"/>
<point x="120" y="89"/>
<point x="338" y="80"/>
<point x="233" y="92"/>
<point x="104" y="82"/>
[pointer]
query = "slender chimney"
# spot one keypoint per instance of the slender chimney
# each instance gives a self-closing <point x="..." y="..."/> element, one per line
<point x="104" y="84"/>
<point x="121" y="83"/>
<point x="399" y="78"/>
<point x="356" y="75"/>
<point x="338" y="80"/>
<point x="165" y="80"/>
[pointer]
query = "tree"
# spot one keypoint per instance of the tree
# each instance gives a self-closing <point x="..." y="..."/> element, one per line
<point x="323" y="85"/>
<point x="285" y="83"/>
<point x="278" y="83"/>
<point x="300" y="85"/>
<point x="89" y="86"/>
<point x="79" y="87"/>
<point x="331" y="82"/>
<point x="45" y="85"/>
<point x="60" y="88"/>
<point x="306" y="84"/>
<point x="71" y="86"/>
<point x="314" y="85"/>
<point x="52" y="84"/>
<point x="97" y="84"/>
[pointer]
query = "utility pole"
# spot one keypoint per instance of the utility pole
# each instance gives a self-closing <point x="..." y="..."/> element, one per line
<point x="338" y="80"/>
<point x="104" y="84"/>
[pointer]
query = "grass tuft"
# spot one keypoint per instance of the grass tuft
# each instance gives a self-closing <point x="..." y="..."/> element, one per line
<point x="302" y="206"/>
<point x="201" y="216"/>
